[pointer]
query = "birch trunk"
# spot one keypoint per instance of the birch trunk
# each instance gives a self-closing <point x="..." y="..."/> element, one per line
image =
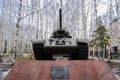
<point x="84" y="20"/>
<point x="9" y="27"/>
<point x="17" y="28"/>
<point x="110" y="19"/>
<point x="2" y="28"/>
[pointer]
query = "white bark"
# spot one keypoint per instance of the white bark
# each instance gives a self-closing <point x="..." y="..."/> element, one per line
<point x="95" y="13"/>
<point x="84" y="20"/>
<point x="2" y="36"/>
<point x="17" y="28"/>
<point x="9" y="28"/>
<point x="110" y="19"/>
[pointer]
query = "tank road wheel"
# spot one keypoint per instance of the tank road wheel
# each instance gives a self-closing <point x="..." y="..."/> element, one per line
<point x="82" y="51"/>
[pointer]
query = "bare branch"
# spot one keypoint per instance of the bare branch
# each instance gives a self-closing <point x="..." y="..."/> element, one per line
<point x="34" y="11"/>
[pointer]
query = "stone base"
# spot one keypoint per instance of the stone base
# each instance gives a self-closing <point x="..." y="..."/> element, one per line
<point x="73" y="69"/>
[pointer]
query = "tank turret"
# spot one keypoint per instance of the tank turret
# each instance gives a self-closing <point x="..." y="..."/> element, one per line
<point x="60" y="32"/>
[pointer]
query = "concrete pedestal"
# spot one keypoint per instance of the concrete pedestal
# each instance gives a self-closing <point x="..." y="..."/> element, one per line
<point x="53" y="70"/>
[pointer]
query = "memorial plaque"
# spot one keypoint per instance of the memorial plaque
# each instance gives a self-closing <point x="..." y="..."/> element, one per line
<point x="59" y="72"/>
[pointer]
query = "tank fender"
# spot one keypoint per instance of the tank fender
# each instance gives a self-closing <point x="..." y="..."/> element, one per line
<point x="38" y="41"/>
<point x="82" y="40"/>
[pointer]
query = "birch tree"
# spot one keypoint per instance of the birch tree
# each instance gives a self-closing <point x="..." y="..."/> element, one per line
<point x="9" y="28"/>
<point x="1" y="26"/>
<point x="110" y="19"/>
<point x="17" y="27"/>
<point x="117" y="2"/>
<point x="84" y="19"/>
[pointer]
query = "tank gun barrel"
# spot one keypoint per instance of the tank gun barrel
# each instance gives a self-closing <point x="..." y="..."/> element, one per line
<point x="60" y="17"/>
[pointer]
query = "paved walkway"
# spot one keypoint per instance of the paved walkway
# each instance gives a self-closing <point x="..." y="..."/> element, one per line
<point x="116" y="61"/>
<point x="118" y="77"/>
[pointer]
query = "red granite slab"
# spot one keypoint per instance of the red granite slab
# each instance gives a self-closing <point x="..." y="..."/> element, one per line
<point x="78" y="70"/>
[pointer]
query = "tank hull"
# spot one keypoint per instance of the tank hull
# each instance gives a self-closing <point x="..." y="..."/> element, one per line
<point x="79" y="51"/>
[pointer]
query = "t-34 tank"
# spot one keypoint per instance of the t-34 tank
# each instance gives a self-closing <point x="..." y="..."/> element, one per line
<point x="61" y="44"/>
